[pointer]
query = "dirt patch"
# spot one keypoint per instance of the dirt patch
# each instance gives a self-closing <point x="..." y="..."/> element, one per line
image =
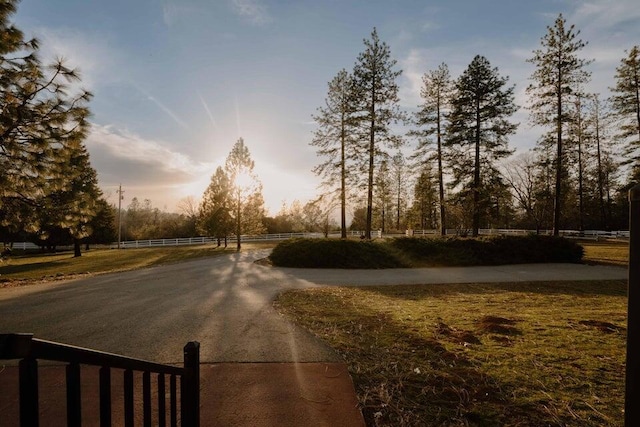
<point x="497" y="325"/>
<point x="606" y="327"/>
<point x="459" y="336"/>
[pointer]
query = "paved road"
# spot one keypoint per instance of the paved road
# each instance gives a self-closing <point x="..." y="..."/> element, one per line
<point x="223" y="302"/>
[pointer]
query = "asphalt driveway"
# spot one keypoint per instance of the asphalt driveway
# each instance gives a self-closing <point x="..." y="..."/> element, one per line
<point x="225" y="303"/>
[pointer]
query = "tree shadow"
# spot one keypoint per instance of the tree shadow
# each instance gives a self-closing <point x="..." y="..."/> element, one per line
<point x="577" y="288"/>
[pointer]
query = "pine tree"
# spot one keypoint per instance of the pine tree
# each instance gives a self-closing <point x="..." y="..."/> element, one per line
<point x="335" y="140"/>
<point x="399" y="176"/>
<point x="425" y="200"/>
<point x="436" y="93"/>
<point x="605" y="168"/>
<point x="376" y="92"/>
<point x="579" y="139"/>
<point x="41" y="115"/>
<point x="383" y="187"/>
<point x="626" y="104"/>
<point x="77" y="206"/>
<point x="214" y="216"/>
<point x="68" y="212"/>
<point x="248" y="204"/>
<point x="478" y="130"/>
<point x="558" y="72"/>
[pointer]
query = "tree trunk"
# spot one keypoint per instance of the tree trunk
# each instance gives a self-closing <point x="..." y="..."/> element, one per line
<point x="603" y="221"/>
<point x="476" y="176"/>
<point x="443" y="222"/>
<point x="580" y="167"/>
<point x="367" y="231"/>
<point x="76" y="248"/>
<point x="343" y="182"/>
<point x="238" y="244"/>
<point x="557" y="204"/>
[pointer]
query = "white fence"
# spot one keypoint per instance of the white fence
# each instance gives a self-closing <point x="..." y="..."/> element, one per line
<point x="230" y="239"/>
<point x="587" y="234"/>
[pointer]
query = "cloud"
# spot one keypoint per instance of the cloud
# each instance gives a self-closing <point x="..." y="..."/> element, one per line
<point x="253" y="11"/>
<point x="90" y="53"/>
<point x="613" y="16"/>
<point x="120" y="156"/>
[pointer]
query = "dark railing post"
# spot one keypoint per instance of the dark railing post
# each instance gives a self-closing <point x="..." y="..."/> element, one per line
<point x="29" y="411"/>
<point x="105" y="396"/>
<point x="74" y="408"/>
<point x="128" y="398"/>
<point x="174" y="401"/>
<point x="162" y="402"/>
<point x="146" y="399"/>
<point x="190" y="386"/>
<point x="632" y="388"/>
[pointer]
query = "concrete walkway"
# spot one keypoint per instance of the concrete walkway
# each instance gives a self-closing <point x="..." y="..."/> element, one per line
<point x="225" y="303"/>
<point x="484" y="274"/>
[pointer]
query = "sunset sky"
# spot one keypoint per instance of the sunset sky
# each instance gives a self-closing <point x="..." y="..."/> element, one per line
<point x="176" y="82"/>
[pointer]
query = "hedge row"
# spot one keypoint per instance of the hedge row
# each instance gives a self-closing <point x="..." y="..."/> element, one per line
<point x="411" y="251"/>
<point x="330" y="253"/>
<point x="495" y="250"/>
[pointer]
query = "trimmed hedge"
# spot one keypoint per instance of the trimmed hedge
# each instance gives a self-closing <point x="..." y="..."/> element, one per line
<point x="325" y="253"/>
<point x="493" y="250"/>
<point x="413" y="251"/>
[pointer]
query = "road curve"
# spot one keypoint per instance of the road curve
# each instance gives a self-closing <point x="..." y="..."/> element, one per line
<point x="225" y="303"/>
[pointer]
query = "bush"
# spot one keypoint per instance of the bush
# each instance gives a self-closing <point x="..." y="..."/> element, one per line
<point x="493" y="250"/>
<point x="415" y="251"/>
<point x="325" y="253"/>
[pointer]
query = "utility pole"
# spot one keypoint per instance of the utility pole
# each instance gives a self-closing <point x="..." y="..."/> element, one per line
<point x="120" y="197"/>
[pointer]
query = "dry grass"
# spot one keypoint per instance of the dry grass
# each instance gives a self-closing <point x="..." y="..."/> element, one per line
<point x="24" y="269"/>
<point x="520" y="354"/>
<point x="609" y="252"/>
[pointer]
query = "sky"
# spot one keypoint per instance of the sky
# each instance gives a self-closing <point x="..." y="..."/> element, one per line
<point x="177" y="82"/>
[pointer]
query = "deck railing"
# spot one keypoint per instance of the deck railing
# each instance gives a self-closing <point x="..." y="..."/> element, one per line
<point x="29" y="350"/>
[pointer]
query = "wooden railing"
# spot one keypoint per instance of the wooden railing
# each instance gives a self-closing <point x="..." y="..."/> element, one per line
<point x="29" y="350"/>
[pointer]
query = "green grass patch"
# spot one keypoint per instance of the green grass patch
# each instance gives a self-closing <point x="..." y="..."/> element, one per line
<point x="50" y="266"/>
<point x="526" y="354"/>
<point x="424" y="252"/>
<point x="608" y="252"/>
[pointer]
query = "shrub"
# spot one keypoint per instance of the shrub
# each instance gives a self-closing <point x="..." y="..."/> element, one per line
<point x="325" y="253"/>
<point x="415" y="251"/>
<point x="493" y="250"/>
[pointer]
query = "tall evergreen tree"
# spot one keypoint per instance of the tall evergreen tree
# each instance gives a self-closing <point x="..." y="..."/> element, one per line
<point x="214" y="215"/>
<point x="335" y="140"/>
<point x="41" y="116"/>
<point x="606" y="170"/>
<point x="425" y="200"/>
<point x="383" y="188"/>
<point x="478" y="129"/>
<point x="248" y="204"/>
<point x="558" y="71"/>
<point x="579" y="137"/>
<point x="626" y="104"/>
<point x="376" y="91"/>
<point x="80" y="199"/>
<point x="399" y="173"/>
<point x="436" y="93"/>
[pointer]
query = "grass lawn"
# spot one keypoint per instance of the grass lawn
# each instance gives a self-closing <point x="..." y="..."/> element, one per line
<point x="525" y="354"/>
<point x="608" y="252"/>
<point x="34" y="267"/>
